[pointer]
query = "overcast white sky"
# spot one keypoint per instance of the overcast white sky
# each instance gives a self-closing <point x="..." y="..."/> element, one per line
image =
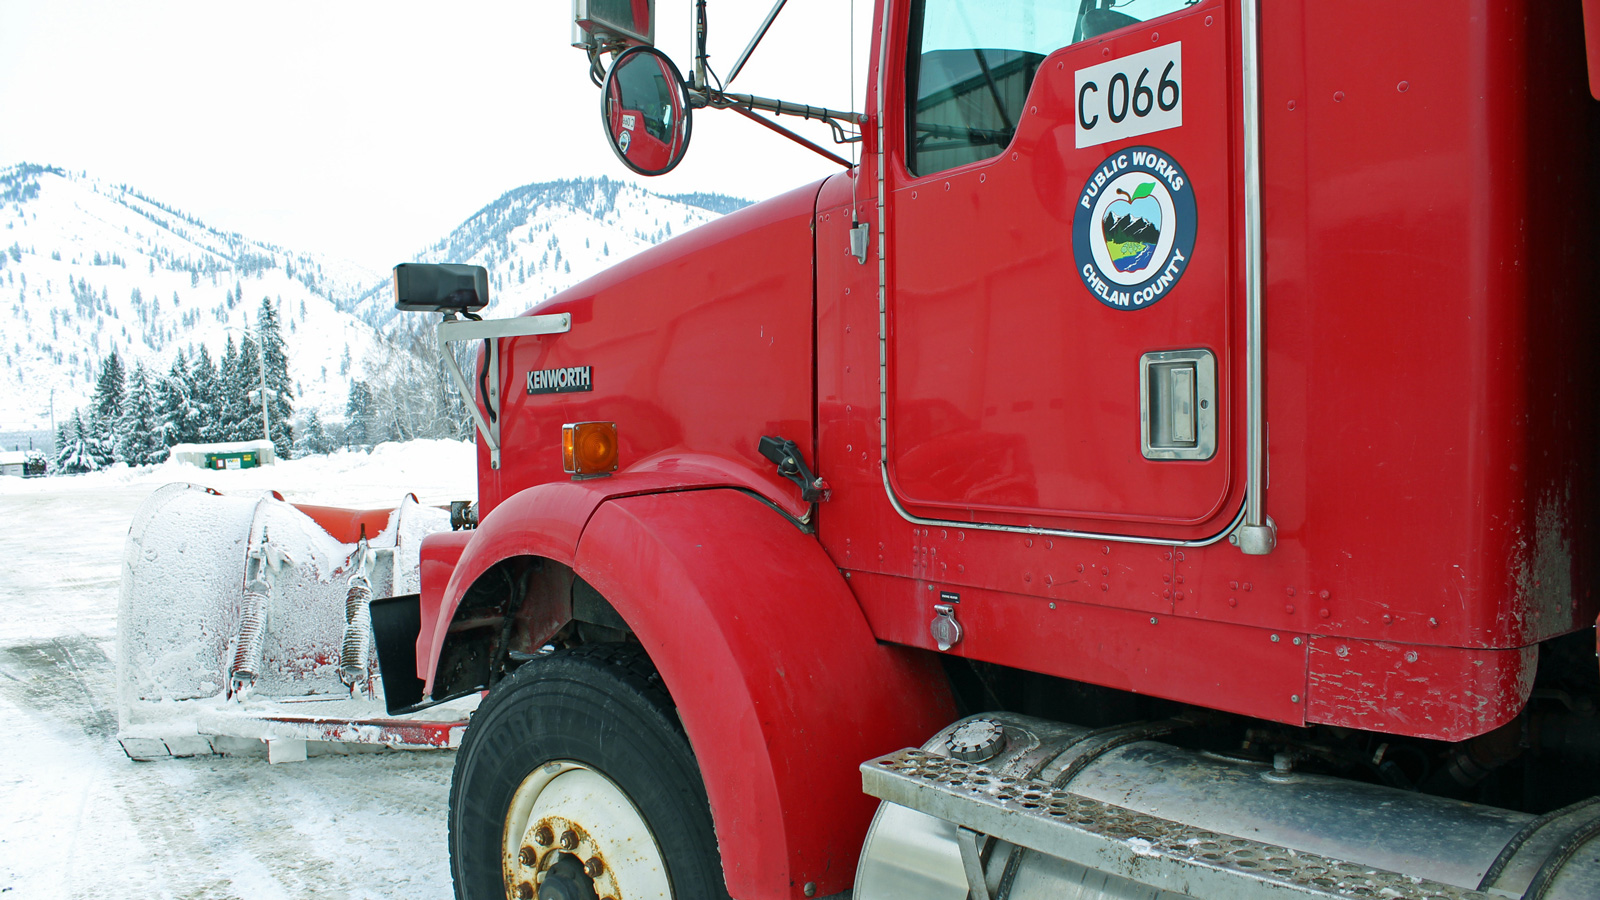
<point x="370" y="129"/>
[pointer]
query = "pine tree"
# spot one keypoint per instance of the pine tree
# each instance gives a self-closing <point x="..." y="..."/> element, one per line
<point x="105" y="414"/>
<point x="358" y="416"/>
<point x="63" y="437"/>
<point x="74" y="449"/>
<point x="180" y="417"/>
<point x="205" y="393"/>
<point x="310" y="437"/>
<point x="275" y="362"/>
<point x="140" y="431"/>
<point x="247" y="392"/>
<point x="232" y="405"/>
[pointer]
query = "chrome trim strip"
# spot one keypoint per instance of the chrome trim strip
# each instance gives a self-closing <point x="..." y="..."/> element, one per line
<point x="517" y="326"/>
<point x="1054" y="532"/>
<point x="883" y="255"/>
<point x="1251" y="165"/>
<point x="1255" y="404"/>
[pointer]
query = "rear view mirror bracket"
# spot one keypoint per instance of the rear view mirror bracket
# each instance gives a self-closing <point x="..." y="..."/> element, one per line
<point x="460" y="290"/>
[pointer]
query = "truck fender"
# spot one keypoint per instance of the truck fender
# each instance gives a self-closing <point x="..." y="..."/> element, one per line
<point x="778" y="680"/>
<point x="542" y="521"/>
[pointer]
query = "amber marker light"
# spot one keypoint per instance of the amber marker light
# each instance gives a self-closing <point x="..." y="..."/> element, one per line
<point x="589" y="448"/>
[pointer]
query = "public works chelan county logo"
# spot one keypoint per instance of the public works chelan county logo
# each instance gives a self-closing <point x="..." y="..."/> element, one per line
<point x="1133" y="229"/>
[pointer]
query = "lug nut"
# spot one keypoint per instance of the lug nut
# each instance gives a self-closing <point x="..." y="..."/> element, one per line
<point x="594" y="866"/>
<point x="525" y="891"/>
<point x="569" y="841"/>
<point x="527" y="856"/>
<point x="542" y="836"/>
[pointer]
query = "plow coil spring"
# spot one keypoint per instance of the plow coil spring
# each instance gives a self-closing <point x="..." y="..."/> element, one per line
<point x="357" y="634"/>
<point x="252" y="636"/>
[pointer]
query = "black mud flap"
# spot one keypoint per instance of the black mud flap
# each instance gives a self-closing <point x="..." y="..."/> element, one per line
<point x="396" y="622"/>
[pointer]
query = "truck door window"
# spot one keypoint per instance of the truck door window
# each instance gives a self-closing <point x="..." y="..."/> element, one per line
<point x="974" y="60"/>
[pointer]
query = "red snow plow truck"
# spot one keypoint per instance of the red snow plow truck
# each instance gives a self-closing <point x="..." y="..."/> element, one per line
<point x="1165" y="466"/>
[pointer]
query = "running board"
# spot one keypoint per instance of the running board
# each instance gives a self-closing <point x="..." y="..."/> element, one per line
<point x="1160" y="853"/>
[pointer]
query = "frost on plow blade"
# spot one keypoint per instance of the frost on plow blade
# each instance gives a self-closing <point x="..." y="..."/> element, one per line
<point x="241" y="622"/>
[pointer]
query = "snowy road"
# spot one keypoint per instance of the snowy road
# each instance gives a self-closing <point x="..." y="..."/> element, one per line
<point x="78" y="819"/>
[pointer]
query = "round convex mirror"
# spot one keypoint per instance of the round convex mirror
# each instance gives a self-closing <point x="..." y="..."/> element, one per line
<point x="646" y="111"/>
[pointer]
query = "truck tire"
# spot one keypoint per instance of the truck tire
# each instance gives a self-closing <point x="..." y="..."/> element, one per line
<point x="575" y="780"/>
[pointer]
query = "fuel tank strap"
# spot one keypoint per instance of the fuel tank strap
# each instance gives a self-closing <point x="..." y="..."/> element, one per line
<point x="1559" y="857"/>
<point x="1550" y="842"/>
<point x="1156" y="852"/>
<point x="1078" y="755"/>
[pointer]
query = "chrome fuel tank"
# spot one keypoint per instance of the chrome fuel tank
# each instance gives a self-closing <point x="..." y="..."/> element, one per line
<point x="1041" y="809"/>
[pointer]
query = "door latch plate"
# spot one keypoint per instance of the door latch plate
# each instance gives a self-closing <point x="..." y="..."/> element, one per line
<point x="1178" y="404"/>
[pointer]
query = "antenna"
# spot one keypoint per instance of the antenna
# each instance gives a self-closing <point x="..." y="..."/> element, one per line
<point x="760" y="33"/>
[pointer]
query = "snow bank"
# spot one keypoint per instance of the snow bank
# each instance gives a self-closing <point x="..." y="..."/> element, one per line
<point x="436" y="471"/>
<point x="77" y="818"/>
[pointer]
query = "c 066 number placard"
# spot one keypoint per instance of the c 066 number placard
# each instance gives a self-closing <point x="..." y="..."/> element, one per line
<point x="1131" y="96"/>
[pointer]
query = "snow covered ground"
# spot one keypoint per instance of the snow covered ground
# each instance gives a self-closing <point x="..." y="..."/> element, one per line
<point x="77" y="818"/>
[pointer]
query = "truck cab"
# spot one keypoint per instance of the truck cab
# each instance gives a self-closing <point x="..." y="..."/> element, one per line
<point x="1176" y="428"/>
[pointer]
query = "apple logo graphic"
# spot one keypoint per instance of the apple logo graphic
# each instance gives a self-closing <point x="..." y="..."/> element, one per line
<point x="1132" y="228"/>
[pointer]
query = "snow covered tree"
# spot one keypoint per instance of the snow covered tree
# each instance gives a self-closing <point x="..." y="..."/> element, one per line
<point x="139" y="431"/>
<point x="63" y="437"/>
<point x="358" y="411"/>
<point x="275" y="363"/>
<point x="247" y="392"/>
<point x="205" y="393"/>
<point x="180" y="417"/>
<point x="310" y="437"/>
<point x="75" y="451"/>
<point x="232" y="404"/>
<point x="105" y="412"/>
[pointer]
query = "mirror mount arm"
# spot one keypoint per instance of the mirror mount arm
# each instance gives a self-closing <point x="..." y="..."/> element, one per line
<point x="834" y="157"/>
<point x="730" y="100"/>
<point x="699" y="76"/>
<point x="747" y="104"/>
<point x="452" y="330"/>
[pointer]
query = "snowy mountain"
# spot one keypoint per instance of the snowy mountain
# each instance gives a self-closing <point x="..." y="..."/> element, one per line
<point x="542" y="238"/>
<point x="87" y="267"/>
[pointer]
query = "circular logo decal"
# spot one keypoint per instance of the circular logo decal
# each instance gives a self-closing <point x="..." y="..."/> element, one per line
<point x="1133" y="229"/>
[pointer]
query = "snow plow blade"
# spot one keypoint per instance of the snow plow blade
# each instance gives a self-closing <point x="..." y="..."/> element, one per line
<point x="245" y="622"/>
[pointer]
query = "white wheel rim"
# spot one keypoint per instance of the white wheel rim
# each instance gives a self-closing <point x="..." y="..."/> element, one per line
<point x="568" y="808"/>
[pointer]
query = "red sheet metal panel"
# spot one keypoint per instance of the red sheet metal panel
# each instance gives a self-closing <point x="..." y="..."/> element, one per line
<point x="1444" y="693"/>
<point x="1254" y="671"/>
<point x="543" y="521"/>
<point x="347" y="525"/>
<point x="1591" y="35"/>
<point x="780" y="684"/>
<point x="1429" y="324"/>
<point x="1014" y="390"/>
<point x="696" y="347"/>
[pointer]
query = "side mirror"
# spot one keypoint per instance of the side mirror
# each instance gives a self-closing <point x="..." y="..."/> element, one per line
<point x="421" y="287"/>
<point x="645" y="111"/>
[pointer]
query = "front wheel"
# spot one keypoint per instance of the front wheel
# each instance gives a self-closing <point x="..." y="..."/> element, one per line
<point x="575" y="781"/>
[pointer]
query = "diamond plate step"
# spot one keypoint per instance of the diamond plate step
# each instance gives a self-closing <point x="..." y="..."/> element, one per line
<point x="1157" y="852"/>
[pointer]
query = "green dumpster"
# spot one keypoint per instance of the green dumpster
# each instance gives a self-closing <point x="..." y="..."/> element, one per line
<point x="247" y="459"/>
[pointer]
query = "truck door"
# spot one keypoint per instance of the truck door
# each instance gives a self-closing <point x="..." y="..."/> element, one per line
<point x="1062" y="254"/>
